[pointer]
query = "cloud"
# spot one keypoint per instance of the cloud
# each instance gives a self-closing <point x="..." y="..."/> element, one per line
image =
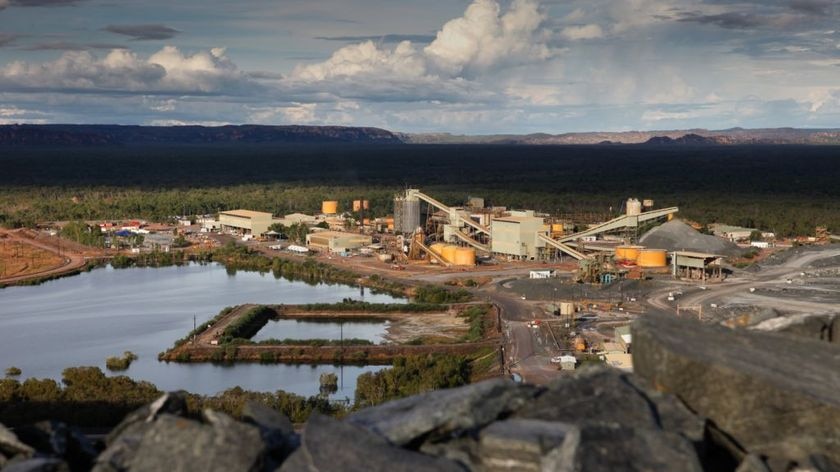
<point x="41" y="3"/>
<point x="481" y="40"/>
<point x="143" y="32"/>
<point x="167" y="71"/>
<point x="381" y="39"/>
<point x="70" y="46"/>
<point x="590" y="31"/>
<point x="7" y="39"/>
<point x="814" y="7"/>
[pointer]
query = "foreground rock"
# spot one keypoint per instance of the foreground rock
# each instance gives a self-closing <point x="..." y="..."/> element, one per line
<point x="776" y="396"/>
<point x="704" y="398"/>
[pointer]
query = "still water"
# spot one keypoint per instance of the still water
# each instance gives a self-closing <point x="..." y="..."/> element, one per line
<point x="373" y="331"/>
<point x="81" y="320"/>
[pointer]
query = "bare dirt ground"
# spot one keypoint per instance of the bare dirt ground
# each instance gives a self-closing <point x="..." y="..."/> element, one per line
<point x="26" y="254"/>
<point x="430" y="328"/>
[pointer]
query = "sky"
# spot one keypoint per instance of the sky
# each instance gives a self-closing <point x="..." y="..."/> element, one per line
<point x="480" y="67"/>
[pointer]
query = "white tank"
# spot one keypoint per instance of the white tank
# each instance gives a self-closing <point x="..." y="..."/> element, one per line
<point x="634" y="207"/>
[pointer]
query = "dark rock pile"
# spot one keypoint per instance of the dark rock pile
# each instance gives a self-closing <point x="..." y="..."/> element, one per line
<point x="705" y="398"/>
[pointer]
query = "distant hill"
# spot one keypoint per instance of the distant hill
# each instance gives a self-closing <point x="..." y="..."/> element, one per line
<point x="63" y="135"/>
<point x="117" y="135"/>
<point x="698" y="137"/>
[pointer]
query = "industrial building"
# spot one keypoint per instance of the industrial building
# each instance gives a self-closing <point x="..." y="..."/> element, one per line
<point x="336" y="241"/>
<point x="517" y="236"/>
<point x="247" y="222"/>
<point x="696" y="265"/>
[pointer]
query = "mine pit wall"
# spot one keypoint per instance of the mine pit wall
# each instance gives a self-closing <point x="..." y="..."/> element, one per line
<point x="344" y="355"/>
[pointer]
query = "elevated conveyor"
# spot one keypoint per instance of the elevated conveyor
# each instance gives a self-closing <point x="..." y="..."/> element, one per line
<point x="624" y="221"/>
<point x="562" y="247"/>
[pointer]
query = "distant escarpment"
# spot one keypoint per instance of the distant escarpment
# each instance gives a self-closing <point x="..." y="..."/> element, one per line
<point x="63" y="135"/>
<point x="698" y="137"/>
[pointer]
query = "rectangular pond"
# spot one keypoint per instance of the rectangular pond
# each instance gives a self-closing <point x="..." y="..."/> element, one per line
<point x="373" y="330"/>
<point x="83" y="319"/>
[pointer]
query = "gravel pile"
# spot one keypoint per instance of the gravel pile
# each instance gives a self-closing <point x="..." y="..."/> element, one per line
<point x="678" y="236"/>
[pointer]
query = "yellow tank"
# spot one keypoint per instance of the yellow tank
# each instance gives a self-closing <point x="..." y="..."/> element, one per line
<point x="365" y="205"/>
<point x="437" y="248"/>
<point x="464" y="256"/>
<point x="357" y="205"/>
<point x="580" y="344"/>
<point x="670" y="216"/>
<point x="652" y="258"/>
<point x="448" y="253"/>
<point x="329" y="207"/>
<point x="627" y="253"/>
<point x="390" y="222"/>
<point x="556" y="229"/>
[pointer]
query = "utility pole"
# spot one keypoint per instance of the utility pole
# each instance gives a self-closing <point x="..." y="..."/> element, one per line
<point x="195" y="326"/>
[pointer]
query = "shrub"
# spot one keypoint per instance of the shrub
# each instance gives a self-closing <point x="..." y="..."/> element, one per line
<point x="13" y="371"/>
<point x="120" y="363"/>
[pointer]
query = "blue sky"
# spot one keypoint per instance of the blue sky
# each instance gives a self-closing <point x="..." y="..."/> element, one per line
<point x="477" y="67"/>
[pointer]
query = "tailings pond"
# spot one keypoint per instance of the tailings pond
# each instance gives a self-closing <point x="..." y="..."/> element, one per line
<point x="81" y="320"/>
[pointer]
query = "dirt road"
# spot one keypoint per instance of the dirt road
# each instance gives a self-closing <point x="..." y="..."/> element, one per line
<point x="70" y="260"/>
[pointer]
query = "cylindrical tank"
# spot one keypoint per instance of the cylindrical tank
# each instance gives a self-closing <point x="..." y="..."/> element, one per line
<point x="465" y="256"/>
<point x="437" y="248"/>
<point x="652" y="258"/>
<point x="357" y="205"/>
<point x="567" y="308"/>
<point x="329" y="207"/>
<point x="406" y="214"/>
<point x="627" y="253"/>
<point x="448" y="253"/>
<point x="580" y="344"/>
<point x="634" y="207"/>
<point x="389" y="222"/>
<point x="365" y="205"/>
<point x="647" y="203"/>
<point x="556" y="229"/>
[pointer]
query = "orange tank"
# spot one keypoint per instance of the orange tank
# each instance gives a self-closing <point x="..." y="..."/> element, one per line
<point x="464" y="256"/>
<point x="329" y="207"/>
<point x="357" y="205"/>
<point x="652" y="258"/>
<point x="580" y="344"/>
<point x="448" y="253"/>
<point x="627" y="253"/>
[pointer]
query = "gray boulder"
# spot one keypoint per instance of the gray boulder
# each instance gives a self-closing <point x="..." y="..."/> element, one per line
<point x="616" y="448"/>
<point x="11" y="446"/>
<point x="56" y="439"/>
<point x="179" y="444"/>
<point x="443" y="412"/>
<point x="820" y="327"/>
<point x="775" y="395"/>
<point x="37" y="464"/>
<point x="522" y="444"/>
<point x="331" y="445"/>
<point x="276" y="430"/>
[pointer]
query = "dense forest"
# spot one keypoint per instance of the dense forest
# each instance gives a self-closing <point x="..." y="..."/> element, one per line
<point x="786" y="189"/>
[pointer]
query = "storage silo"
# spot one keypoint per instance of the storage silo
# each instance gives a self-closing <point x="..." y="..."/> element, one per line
<point x="634" y="207"/>
<point x="652" y="258"/>
<point x="465" y="256"/>
<point x="448" y="253"/>
<point x="329" y="207"/>
<point x="406" y="215"/>
<point x="627" y="253"/>
<point x="357" y="205"/>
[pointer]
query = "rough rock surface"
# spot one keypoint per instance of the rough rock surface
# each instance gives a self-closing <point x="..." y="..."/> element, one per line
<point x="775" y="395"/>
<point x="703" y="398"/>
<point x="444" y="412"/>
<point x="822" y="327"/>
